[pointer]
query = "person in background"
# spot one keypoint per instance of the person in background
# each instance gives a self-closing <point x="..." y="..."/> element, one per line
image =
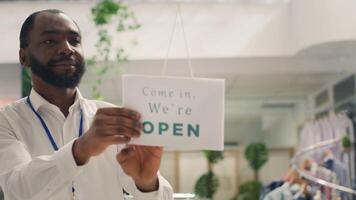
<point x="57" y="145"/>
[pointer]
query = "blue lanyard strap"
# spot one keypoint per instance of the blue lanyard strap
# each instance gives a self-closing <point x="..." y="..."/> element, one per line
<point x="45" y="127"/>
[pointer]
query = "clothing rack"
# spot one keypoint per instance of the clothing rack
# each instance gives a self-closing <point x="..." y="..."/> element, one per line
<point x="314" y="147"/>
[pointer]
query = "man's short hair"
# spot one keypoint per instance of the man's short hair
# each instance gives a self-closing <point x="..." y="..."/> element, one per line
<point x="28" y="25"/>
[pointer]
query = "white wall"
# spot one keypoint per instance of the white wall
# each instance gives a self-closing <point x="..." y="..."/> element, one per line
<point x="274" y="38"/>
<point x="243" y="132"/>
<point x="10" y="83"/>
<point x="301" y="24"/>
<point x="318" y="21"/>
<point x="282" y="133"/>
<point x="213" y="30"/>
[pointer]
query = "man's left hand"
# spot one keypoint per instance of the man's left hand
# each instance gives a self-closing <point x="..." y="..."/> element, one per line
<point x="142" y="164"/>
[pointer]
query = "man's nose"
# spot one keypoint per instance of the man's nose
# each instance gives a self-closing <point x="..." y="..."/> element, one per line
<point x="65" y="48"/>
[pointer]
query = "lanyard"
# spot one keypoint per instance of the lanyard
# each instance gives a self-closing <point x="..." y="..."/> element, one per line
<point x="45" y="127"/>
<point x="48" y="132"/>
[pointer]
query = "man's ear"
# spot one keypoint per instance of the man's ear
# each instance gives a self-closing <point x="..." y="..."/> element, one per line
<point x="23" y="57"/>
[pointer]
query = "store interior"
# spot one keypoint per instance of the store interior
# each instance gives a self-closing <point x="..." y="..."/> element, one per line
<point x="289" y="68"/>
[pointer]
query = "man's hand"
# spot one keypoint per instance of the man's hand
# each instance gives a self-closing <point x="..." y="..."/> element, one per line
<point x="110" y="126"/>
<point x="142" y="164"/>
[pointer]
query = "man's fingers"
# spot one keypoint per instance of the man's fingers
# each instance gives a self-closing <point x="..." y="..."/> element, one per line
<point x="119" y="130"/>
<point x="154" y="151"/>
<point x="115" y="111"/>
<point x="118" y="120"/>
<point x="117" y="139"/>
<point x="124" y="154"/>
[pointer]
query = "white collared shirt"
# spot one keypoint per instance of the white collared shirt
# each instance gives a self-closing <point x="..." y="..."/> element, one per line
<point x="31" y="170"/>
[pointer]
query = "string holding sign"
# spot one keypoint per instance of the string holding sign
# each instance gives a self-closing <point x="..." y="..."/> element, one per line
<point x="178" y="15"/>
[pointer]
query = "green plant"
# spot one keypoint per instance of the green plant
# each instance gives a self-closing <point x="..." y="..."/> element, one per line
<point x="257" y="155"/>
<point x="346" y="142"/>
<point x="26" y="84"/>
<point x="1" y="195"/>
<point x="249" y="191"/>
<point x="213" y="156"/>
<point x="208" y="183"/>
<point x="104" y="14"/>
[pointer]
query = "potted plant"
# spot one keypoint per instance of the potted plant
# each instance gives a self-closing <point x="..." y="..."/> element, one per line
<point x="207" y="185"/>
<point x="257" y="155"/>
<point x="249" y="191"/>
<point x="346" y="144"/>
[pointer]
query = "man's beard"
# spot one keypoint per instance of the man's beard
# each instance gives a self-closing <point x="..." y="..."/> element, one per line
<point x="46" y="73"/>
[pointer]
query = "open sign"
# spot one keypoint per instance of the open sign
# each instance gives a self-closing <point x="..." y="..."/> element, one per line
<point x="179" y="113"/>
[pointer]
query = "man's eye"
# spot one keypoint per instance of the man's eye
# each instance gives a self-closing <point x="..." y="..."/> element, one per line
<point x="75" y="41"/>
<point x="48" y="41"/>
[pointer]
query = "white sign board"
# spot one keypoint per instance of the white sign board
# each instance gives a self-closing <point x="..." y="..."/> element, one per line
<point x="177" y="113"/>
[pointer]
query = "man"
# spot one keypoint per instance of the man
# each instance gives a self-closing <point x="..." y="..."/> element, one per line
<point x="57" y="145"/>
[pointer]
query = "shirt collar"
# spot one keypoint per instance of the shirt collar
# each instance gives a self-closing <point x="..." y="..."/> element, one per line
<point x="77" y="102"/>
<point x="38" y="101"/>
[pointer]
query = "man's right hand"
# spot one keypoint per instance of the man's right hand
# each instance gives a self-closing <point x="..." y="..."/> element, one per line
<point x="110" y="126"/>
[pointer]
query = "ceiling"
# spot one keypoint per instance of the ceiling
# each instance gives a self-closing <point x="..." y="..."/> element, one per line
<point x="212" y="30"/>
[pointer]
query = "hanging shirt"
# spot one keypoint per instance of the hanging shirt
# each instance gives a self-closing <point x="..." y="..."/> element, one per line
<point x="286" y="192"/>
<point x="350" y="133"/>
<point x="325" y="174"/>
<point x="306" y="136"/>
<point x="270" y="187"/>
<point x="340" y="170"/>
<point x="31" y="170"/>
<point x="343" y="126"/>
